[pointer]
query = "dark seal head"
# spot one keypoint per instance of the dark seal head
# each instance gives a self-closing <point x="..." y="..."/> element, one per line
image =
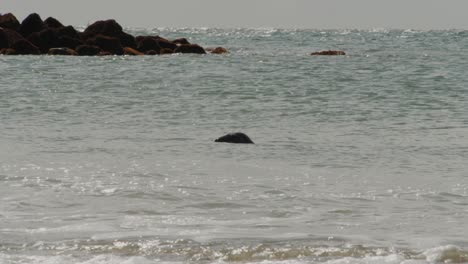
<point x="239" y="138"/>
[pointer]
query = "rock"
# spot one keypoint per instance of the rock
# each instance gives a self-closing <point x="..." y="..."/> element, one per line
<point x="4" y="39"/>
<point x="24" y="47"/>
<point x="109" y="44"/>
<point x="109" y="28"/>
<point x="51" y="22"/>
<point x="68" y="37"/>
<point x="138" y="39"/>
<point x="132" y="52"/>
<point x="152" y="52"/>
<point x="4" y="43"/>
<point x="44" y="39"/>
<point x="217" y="50"/>
<point x="166" y="51"/>
<point x="148" y="43"/>
<point x="9" y="21"/>
<point x="62" y="51"/>
<point x="238" y="137"/>
<point x="166" y="44"/>
<point x="104" y="27"/>
<point x="8" y="37"/>
<point x="66" y="41"/>
<point x="328" y="53"/>
<point x="32" y="23"/>
<point x="191" y="48"/>
<point x="181" y="41"/>
<point x="8" y="51"/>
<point x="68" y="31"/>
<point x="87" y="50"/>
<point x="127" y="40"/>
<point x="105" y="53"/>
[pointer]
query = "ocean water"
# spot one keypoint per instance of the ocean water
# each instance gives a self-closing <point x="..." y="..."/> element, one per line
<point x="360" y="158"/>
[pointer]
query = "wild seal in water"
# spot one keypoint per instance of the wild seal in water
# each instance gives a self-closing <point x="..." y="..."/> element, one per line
<point x="239" y="138"/>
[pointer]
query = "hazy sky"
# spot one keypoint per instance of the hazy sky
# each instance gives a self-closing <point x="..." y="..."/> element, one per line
<point x="329" y="14"/>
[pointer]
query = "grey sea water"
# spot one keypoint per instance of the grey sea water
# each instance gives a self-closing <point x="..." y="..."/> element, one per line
<point x="358" y="159"/>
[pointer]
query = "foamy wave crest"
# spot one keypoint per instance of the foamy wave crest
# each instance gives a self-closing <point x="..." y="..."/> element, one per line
<point x="446" y="254"/>
<point x="102" y="259"/>
<point x="188" y="251"/>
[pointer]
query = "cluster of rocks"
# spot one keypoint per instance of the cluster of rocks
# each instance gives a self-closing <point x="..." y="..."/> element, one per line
<point x="34" y="36"/>
<point x="105" y="37"/>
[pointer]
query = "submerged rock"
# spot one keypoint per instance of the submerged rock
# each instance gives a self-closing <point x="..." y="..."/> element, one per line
<point x="87" y="50"/>
<point x="191" y="48"/>
<point x="7" y="51"/>
<point x="152" y="53"/>
<point x="132" y="52"/>
<point x="181" y="41"/>
<point x="217" y="50"/>
<point x="239" y="138"/>
<point x="328" y="53"/>
<point x="166" y="51"/>
<point x="62" y="51"/>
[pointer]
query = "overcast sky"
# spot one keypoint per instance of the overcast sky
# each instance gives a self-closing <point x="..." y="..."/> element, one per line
<point x="323" y="14"/>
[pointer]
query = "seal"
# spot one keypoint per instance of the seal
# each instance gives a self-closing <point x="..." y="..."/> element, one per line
<point x="238" y="138"/>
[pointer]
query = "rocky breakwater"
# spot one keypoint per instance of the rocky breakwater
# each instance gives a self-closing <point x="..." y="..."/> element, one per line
<point x="34" y="36"/>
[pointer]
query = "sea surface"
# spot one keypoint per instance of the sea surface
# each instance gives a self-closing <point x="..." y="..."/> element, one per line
<point x="360" y="158"/>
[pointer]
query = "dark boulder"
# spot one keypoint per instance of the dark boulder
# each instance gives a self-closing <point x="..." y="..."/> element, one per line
<point x="4" y="43"/>
<point x="166" y="44"/>
<point x="152" y="52"/>
<point x="9" y="21"/>
<point x="62" y="51"/>
<point x="8" y="37"/>
<point x="238" y="137"/>
<point x="105" y="53"/>
<point x="87" y="50"/>
<point x="109" y="44"/>
<point x="44" y="39"/>
<point x="68" y="31"/>
<point x="109" y="28"/>
<point x="127" y="40"/>
<point x="328" y="53"/>
<point x="24" y="47"/>
<point x="162" y="42"/>
<point x="181" y="41"/>
<point x="68" y="42"/>
<point x="138" y="39"/>
<point x="104" y="27"/>
<point x="191" y="48"/>
<point x="132" y="52"/>
<point x="217" y="50"/>
<point x="51" y="22"/>
<point x="32" y="23"/>
<point x="148" y="43"/>
<point x="165" y="51"/>
<point x="7" y="51"/>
